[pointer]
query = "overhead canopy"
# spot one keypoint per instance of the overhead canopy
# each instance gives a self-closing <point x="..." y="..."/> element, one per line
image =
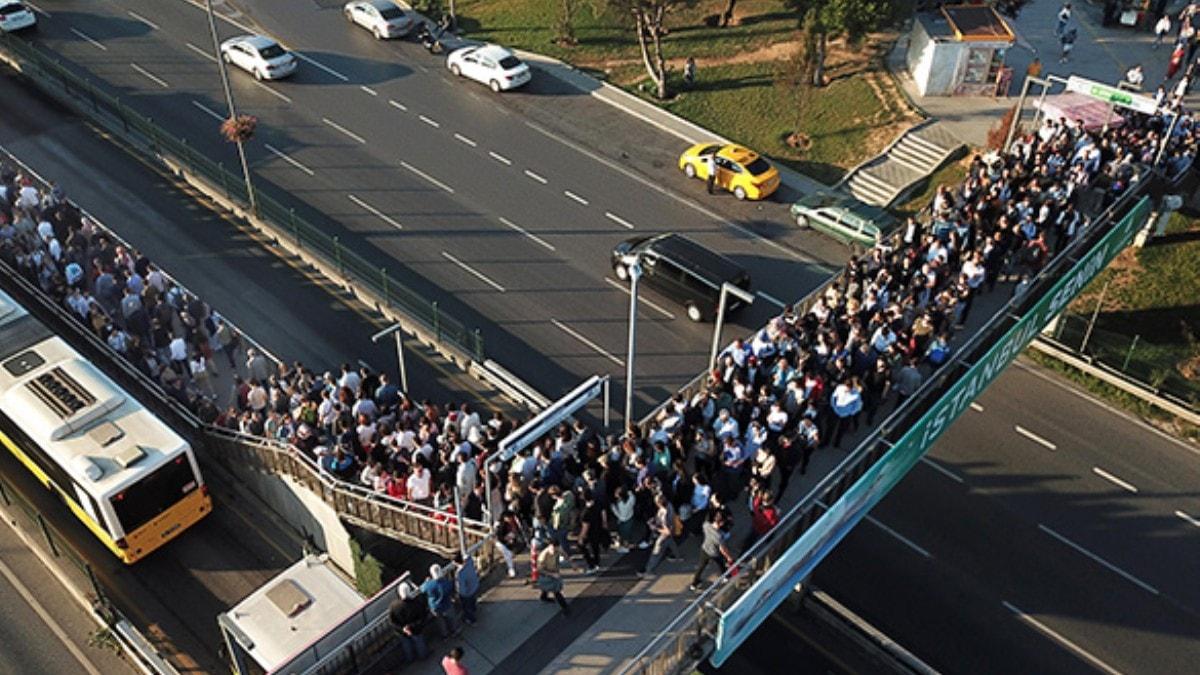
<point x="977" y="23"/>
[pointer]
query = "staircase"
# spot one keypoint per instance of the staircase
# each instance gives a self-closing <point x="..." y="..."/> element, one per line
<point x="913" y="156"/>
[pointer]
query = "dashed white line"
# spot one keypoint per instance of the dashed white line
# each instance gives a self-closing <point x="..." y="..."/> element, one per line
<point x="344" y="130"/>
<point x="95" y="43"/>
<point x="1126" y="575"/>
<point x="976" y="407"/>
<point x="30" y="599"/>
<point x="464" y="139"/>
<point x="323" y="67"/>
<point x="474" y="272"/>
<point x="942" y="470"/>
<point x="272" y="92"/>
<point x="905" y="540"/>
<point x="426" y="176"/>
<point x="368" y="90"/>
<point x="771" y="299"/>
<point x="376" y="212"/>
<point x="282" y="155"/>
<point x="397" y="104"/>
<point x="500" y="158"/>
<point x="144" y="20"/>
<point x="649" y="303"/>
<point x="575" y="198"/>
<point x="1034" y="437"/>
<point x="201" y="52"/>
<point x="1124" y="485"/>
<point x="209" y="111"/>
<point x="541" y="242"/>
<point x="152" y="77"/>
<point x="594" y="347"/>
<point x="618" y="220"/>
<point x="1188" y="519"/>
<point x="1046" y="630"/>
<point x="536" y="177"/>
<point x="431" y="122"/>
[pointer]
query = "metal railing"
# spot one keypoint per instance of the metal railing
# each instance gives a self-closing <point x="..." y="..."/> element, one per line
<point x="56" y="79"/>
<point x="689" y="637"/>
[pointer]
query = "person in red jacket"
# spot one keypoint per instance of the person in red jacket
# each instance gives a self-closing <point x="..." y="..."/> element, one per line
<point x="764" y="515"/>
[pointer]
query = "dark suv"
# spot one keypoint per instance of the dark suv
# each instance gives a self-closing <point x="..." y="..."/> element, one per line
<point x="683" y="271"/>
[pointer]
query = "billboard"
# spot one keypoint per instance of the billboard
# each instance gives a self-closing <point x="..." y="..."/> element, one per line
<point x="750" y="610"/>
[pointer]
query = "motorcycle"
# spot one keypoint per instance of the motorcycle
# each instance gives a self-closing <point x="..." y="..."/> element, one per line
<point x="430" y="40"/>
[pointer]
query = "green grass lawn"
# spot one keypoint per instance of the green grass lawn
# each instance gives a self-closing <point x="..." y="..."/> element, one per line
<point x="740" y="93"/>
<point x="951" y="174"/>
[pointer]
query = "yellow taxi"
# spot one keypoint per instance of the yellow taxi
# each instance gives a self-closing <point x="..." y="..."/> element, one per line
<point x="739" y="170"/>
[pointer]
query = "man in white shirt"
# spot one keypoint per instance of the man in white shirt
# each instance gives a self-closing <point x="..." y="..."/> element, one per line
<point x="419" y="483"/>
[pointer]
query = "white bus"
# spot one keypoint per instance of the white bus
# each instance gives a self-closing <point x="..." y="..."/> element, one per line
<point x="124" y="473"/>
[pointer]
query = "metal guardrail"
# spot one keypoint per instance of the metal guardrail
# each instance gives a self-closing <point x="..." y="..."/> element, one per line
<point x="55" y="78"/>
<point x="689" y="637"/>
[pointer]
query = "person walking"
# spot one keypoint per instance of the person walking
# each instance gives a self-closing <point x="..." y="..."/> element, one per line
<point x="1135" y="76"/>
<point x="466" y="582"/>
<point x="452" y="663"/>
<point x="662" y="528"/>
<point x="710" y="168"/>
<point x="1161" y="30"/>
<point x="713" y="547"/>
<point x="1068" y="43"/>
<point x="846" y="403"/>
<point x="408" y="616"/>
<point x="689" y="72"/>
<point x="549" y="580"/>
<point x="439" y="591"/>
<point x="1064" y="17"/>
<point x="592" y="534"/>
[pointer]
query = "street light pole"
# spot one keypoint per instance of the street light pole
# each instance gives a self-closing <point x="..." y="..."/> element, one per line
<point x="395" y="329"/>
<point x="212" y="29"/>
<point x="635" y="273"/>
<point x="726" y="289"/>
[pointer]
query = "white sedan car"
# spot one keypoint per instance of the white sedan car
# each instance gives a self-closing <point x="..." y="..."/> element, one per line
<point x="492" y="65"/>
<point x="259" y="55"/>
<point x="382" y="17"/>
<point x="15" y="16"/>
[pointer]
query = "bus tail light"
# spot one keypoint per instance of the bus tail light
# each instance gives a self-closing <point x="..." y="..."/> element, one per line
<point x="204" y="489"/>
<point x="122" y="544"/>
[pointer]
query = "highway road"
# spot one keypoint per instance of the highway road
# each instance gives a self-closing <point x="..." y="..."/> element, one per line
<point x="1047" y="533"/>
<point x="494" y="206"/>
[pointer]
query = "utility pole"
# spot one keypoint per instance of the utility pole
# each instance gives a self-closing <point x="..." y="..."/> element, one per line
<point x="212" y="29"/>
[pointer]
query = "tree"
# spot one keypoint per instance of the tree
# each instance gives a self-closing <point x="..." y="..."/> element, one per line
<point x="831" y="19"/>
<point x="799" y="77"/>
<point x="564" y="26"/>
<point x="648" y="22"/>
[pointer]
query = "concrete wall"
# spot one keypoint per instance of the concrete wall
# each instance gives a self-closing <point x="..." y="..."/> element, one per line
<point x="934" y="64"/>
<point x="306" y="512"/>
<point x="919" y="56"/>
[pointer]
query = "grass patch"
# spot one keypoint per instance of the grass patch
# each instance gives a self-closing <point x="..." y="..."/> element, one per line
<point x="951" y="174"/>
<point x="740" y="91"/>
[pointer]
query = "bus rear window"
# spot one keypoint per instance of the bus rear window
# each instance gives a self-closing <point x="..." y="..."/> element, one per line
<point x="139" y="503"/>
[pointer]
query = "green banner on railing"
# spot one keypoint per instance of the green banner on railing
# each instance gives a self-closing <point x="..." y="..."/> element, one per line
<point x="750" y="610"/>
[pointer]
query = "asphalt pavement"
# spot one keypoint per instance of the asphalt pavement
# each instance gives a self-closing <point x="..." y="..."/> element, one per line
<point x="1047" y="533"/>
<point x="475" y="200"/>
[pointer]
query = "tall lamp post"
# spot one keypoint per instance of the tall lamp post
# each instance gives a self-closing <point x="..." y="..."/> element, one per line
<point x="395" y="329"/>
<point x="727" y="289"/>
<point x="634" y="264"/>
<point x="212" y="29"/>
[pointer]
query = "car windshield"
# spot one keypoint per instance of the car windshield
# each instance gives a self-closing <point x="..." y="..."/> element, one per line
<point x="391" y="13"/>
<point x="509" y="62"/>
<point x="758" y="167"/>
<point x="272" y="52"/>
<point x="11" y="7"/>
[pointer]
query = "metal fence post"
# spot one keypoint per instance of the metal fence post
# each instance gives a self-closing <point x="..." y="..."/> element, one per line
<point x="1129" y="354"/>
<point x="122" y="115"/>
<point x="295" y="230"/>
<point x="337" y="253"/>
<point x="1095" y="313"/>
<point x="92" y="94"/>
<point x="153" y="135"/>
<point x="478" y="345"/>
<point x="4" y="494"/>
<point x="387" y="299"/>
<point x="95" y="583"/>
<point x="437" y="323"/>
<point x="46" y="533"/>
<point x="224" y="182"/>
<point x="187" y="155"/>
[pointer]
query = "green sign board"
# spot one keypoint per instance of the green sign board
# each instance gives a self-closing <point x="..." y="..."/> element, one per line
<point x="1114" y="95"/>
<point x="750" y="610"/>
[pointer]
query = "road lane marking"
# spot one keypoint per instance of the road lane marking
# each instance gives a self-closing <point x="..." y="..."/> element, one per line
<point x="368" y="90"/>
<point x="282" y="155"/>
<point x="85" y="36"/>
<point x="976" y="407"/>
<point x="211" y="113"/>
<point x="594" y="347"/>
<point x="527" y="233"/>
<point x="618" y="220"/>
<point x="905" y="540"/>
<point x="1034" y="437"/>
<point x="649" y="303"/>
<point x="536" y="177"/>
<point x="500" y="158"/>
<point x="1125" y="485"/>
<point x="323" y="67"/>
<point x="1049" y="632"/>
<point x="771" y="299"/>
<point x="143" y="19"/>
<point x="682" y="200"/>
<point x="272" y="92"/>
<point x="201" y="52"/>
<point x="426" y="176"/>
<point x="431" y="122"/>
<point x="344" y="130"/>
<point x="474" y="272"/>
<point x="377" y="213"/>
<point x="1188" y="519"/>
<point x="397" y="104"/>
<point x="466" y="140"/>
<point x="37" y="9"/>
<point x="1128" y="577"/>
<point x="575" y="198"/>
<point x="153" y="78"/>
<point x="942" y="470"/>
<point x="46" y="618"/>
